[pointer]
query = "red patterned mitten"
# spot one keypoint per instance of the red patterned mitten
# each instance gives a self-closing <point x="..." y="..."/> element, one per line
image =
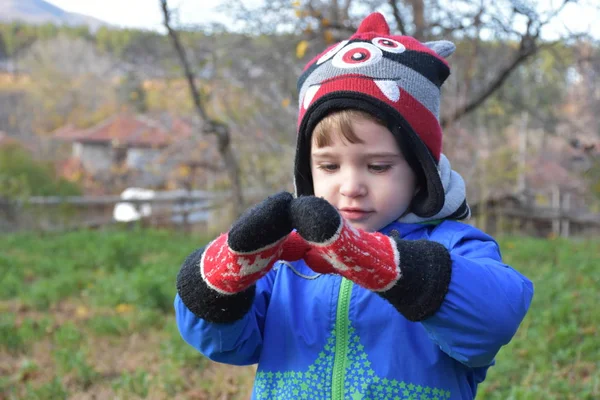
<point x="238" y="258"/>
<point x="370" y="260"/>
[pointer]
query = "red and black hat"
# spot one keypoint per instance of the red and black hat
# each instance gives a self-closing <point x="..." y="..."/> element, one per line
<point x="395" y="78"/>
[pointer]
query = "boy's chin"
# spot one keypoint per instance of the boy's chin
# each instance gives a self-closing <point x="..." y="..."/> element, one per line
<point x="367" y="226"/>
<point x="372" y="223"/>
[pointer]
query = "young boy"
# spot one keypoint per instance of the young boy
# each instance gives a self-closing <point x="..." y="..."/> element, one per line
<point x="362" y="286"/>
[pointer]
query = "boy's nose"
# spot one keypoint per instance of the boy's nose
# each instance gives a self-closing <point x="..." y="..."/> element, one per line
<point x="353" y="187"/>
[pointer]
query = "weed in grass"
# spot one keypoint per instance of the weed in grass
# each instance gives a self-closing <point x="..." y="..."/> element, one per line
<point x="108" y="325"/>
<point x="137" y="383"/>
<point x="68" y="337"/>
<point x="146" y="319"/>
<point x="171" y="379"/>
<point x="33" y="330"/>
<point x="9" y="334"/>
<point x="54" y="390"/>
<point x="178" y="351"/>
<point x="122" y="253"/>
<point x="44" y="293"/>
<point x="70" y="362"/>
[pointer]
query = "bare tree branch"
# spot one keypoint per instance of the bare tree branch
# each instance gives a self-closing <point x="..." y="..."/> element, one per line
<point x="526" y="50"/>
<point x="345" y="15"/>
<point x="397" y="17"/>
<point x="205" y="165"/>
<point x="528" y="47"/>
<point x="200" y="109"/>
<point x="211" y="126"/>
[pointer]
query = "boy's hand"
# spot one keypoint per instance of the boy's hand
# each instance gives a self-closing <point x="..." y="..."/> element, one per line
<point x="238" y="258"/>
<point x="371" y="260"/>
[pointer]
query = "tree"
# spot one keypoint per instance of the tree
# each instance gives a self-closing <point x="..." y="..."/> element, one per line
<point x="22" y="175"/>
<point x="72" y="81"/>
<point x="515" y="28"/>
<point x="131" y="93"/>
<point x="211" y="126"/>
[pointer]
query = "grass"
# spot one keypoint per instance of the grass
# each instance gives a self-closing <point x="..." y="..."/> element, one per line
<point x="89" y="314"/>
<point x="556" y="352"/>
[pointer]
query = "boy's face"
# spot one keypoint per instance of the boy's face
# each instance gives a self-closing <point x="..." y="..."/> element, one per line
<point x="370" y="183"/>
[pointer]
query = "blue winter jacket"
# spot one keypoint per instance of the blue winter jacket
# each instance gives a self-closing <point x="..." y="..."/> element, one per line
<point x="323" y="337"/>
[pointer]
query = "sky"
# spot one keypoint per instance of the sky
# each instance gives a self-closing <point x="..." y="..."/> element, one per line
<point x="146" y="14"/>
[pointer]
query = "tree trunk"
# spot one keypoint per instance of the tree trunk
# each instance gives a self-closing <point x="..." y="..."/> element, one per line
<point x="211" y="126"/>
<point x="418" y="8"/>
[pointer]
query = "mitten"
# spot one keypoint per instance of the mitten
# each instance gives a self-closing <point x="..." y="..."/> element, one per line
<point x="413" y="275"/>
<point x="369" y="259"/>
<point x="238" y="258"/>
<point x="216" y="282"/>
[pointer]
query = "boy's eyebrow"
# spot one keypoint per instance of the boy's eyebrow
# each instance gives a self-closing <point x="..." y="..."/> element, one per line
<point x="382" y="154"/>
<point x="318" y="153"/>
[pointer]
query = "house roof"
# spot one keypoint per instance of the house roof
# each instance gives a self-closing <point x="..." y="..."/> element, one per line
<point x="127" y="130"/>
<point x="6" y="140"/>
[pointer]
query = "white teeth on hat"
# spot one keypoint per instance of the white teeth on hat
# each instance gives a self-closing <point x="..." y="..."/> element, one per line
<point x="310" y="95"/>
<point x="390" y="89"/>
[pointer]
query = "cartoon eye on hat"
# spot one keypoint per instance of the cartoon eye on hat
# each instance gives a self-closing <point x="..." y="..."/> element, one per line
<point x="391" y="45"/>
<point x="332" y="52"/>
<point x="357" y="55"/>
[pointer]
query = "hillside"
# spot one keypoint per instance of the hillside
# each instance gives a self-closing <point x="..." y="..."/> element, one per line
<point x="40" y="12"/>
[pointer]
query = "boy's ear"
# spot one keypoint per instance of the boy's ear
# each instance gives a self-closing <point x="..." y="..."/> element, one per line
<point x="444" y="48"/>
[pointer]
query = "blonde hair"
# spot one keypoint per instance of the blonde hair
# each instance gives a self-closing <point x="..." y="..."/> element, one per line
<point x="340" y="123"/>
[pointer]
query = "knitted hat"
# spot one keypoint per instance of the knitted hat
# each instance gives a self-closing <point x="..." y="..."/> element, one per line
<point x="396" y="79"/>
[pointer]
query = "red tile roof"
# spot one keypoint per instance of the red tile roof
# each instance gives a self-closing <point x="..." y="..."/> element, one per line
<point x="6" y="140"/>
<point x="126" y="130"/>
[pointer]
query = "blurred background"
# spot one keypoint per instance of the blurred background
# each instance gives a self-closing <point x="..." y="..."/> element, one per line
<point x="133" y="132"/>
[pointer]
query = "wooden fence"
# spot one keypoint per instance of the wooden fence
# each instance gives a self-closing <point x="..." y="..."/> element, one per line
<point x="70" y="213"/>
<point x="561" y="216"/>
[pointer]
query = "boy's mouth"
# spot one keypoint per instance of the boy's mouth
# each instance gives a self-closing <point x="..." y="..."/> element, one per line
<point x="387" y="87"/>
<point x="355" y="214"/>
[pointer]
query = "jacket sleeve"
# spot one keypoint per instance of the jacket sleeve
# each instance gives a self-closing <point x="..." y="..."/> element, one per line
<point x="476" y="306"/>
<point x="224" y="328"/>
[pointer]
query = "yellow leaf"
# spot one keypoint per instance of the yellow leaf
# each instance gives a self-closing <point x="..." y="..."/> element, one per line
<point x="184" y="170"/>
<point x="81" y="312"/>
<point x="325" y="22"/>
<point x="298" y="13"/>
<point x="301" y="48"/>
<point x="296" y="3"/>
<point x="523" y="352"/>
<point x="590" y="330"/>
<point x="286" y="102"/>
<point x="541" y="199"/>
<point x="123" y="308"/>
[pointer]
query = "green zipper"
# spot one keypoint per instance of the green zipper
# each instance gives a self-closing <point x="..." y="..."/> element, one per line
<point x="341" y="340"/>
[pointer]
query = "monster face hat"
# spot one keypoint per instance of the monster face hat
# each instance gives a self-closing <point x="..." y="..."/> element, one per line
<point x="395" y="78"/>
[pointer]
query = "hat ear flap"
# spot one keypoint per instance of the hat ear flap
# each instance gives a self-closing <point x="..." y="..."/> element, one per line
<point x="443" y="48"/>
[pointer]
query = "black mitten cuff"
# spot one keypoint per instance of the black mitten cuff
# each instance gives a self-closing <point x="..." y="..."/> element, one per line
<point x="426" y="271"/>
<point x="207" y="303"/>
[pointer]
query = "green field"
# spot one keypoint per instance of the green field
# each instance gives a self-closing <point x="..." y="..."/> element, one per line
<point x="89" y="315"/>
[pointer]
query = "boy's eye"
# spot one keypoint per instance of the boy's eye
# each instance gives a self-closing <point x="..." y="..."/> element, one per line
<point x="328" y="167"/>
<point x="378" y="168"/>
